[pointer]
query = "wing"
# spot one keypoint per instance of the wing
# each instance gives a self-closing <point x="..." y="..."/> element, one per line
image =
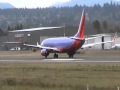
<point x="29" y="45"/>
<point x="87" y="38"/>
<point x="43" y="47"/>
<point x="12" y="42"/>
<point x="36" y="29"/>
<point x="98" y="43"/>
<point x="93" y="44"/>
<point x="94" y="37"/>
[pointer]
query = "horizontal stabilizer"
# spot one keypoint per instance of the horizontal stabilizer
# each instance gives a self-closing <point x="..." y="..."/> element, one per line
<point x="93" y="44"/>
<point x="94" y="37"/>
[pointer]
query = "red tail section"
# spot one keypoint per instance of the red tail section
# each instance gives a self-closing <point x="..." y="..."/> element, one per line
<point x="114" y="38"/>
<point x="80" y="33"/>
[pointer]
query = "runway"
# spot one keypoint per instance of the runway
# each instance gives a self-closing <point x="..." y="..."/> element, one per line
<point x="49" y="60"/>
<point x="91" y="56"/>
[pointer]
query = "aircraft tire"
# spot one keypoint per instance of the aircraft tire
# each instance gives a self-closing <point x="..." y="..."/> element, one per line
<point x="70" y="56"/>
<point x="55" y="55"/>
<point x="45" y="56"/>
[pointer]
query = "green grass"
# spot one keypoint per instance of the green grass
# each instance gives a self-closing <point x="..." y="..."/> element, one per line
<point x="59" y="76"/>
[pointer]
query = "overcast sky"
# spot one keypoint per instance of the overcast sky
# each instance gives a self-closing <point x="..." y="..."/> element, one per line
<point x="32" y="3"/>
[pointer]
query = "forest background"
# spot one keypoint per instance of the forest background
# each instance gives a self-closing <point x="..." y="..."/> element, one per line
<point x="100" y="19"/>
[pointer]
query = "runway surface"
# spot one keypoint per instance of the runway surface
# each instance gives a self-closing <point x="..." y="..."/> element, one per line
<point x="81" y="59"/>
<point x="96" y="56"/>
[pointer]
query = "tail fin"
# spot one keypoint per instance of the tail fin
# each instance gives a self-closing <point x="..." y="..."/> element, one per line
<point x="114" y="38"/>
<point x="80" y="33"/>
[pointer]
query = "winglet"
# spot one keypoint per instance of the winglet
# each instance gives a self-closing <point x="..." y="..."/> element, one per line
<point x="37" y="44"/>
<point x="80" y="33"/>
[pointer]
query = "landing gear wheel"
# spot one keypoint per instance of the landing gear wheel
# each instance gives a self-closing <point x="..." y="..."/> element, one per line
<point x="45" y="56"/>
<point x="55" y="55"/>
<point x="70" y="56"/>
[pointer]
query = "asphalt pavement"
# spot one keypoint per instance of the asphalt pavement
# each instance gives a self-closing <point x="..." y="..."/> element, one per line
<point x="28" y="56"/>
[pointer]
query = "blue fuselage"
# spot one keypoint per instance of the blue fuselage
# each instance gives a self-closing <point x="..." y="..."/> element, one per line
<point x="65" y="44"/>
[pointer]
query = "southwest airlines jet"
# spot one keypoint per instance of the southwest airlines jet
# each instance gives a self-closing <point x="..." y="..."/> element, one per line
<point x="67" y="45"/>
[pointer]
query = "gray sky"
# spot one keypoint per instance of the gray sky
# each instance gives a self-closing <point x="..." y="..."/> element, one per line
<point x="32" y="3"/>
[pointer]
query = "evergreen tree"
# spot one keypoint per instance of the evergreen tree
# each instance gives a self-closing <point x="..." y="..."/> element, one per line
<point x="9" y="28"/>
<point x="1" y="32"/>
<point x="105" y="25"/>
<point x="53" y="16"/>
<point x="96" y="25"/>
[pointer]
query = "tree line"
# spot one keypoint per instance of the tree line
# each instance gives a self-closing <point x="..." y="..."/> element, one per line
<point x="100" y="19"/>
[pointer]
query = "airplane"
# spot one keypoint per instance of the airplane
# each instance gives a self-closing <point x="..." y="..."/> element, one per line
<point x="67" y="45"/>
<point x="115" y="46"/>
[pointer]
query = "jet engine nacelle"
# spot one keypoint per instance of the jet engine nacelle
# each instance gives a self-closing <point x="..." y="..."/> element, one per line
<point x="44" y="52"/>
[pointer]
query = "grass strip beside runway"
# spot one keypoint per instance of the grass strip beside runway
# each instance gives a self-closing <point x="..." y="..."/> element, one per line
<point x="59" y="76"/>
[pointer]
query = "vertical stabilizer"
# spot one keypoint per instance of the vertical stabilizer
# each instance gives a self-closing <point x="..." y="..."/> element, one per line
<point x="114" y="38"/>
<point x="80" y="33"/>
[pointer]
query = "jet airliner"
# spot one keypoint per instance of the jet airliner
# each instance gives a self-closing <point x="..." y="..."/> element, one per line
<point x="67" y="45"/>
<point x="63" y="44"/>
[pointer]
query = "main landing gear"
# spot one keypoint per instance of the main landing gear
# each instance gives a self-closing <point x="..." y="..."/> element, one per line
<point x="55" y="55"/>
<point x="45" y="56"/>
<point x="71" y="55"/>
